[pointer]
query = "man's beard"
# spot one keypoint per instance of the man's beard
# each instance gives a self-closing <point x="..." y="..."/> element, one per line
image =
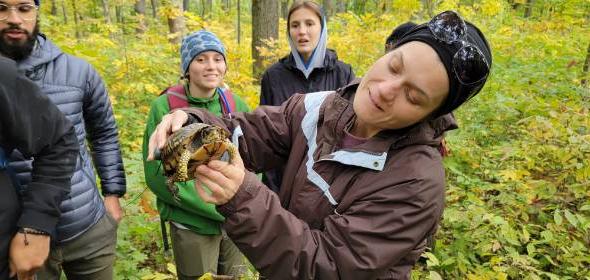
<point x="18" y="50"/>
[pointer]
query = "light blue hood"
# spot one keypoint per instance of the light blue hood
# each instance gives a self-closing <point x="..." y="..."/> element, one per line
<point x="317" y="57"/>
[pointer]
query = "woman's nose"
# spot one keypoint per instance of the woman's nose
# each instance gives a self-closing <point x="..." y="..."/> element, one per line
<point x="389" y="89"/>
<point x="301" y="30"/>
<point x="209" y="64"/>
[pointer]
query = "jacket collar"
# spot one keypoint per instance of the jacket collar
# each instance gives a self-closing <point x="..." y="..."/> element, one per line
<point x="44" y="52"/>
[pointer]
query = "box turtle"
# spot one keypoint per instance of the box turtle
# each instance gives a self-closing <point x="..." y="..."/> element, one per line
<point x="191" y="146"/>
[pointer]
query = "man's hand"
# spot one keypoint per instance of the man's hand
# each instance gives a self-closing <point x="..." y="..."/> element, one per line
<point x="169" y="124"/>
<point x="223" y="180"/>
<point x="25" y="260"/>
<point x="111" y="203"/>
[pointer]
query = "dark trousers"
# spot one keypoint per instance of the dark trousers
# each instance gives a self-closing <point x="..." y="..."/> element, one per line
<point x="9" y="214"/>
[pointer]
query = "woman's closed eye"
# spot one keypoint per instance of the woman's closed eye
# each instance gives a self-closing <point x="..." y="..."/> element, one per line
<point x="411" y="99"/>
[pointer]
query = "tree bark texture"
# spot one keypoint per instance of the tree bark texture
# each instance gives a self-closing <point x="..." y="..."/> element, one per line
<point x="53" y="8"/>
<point x="285" y="4"/>
<point x="65" y="12"/>
<point x="265" y="18"/>
<point x="584" y="81"/>
<point x="154" y="8"/>
<point x="105" y="11"/>
<point x="76" y="20"/>
<point x="528" y="9"/>
<point x="328" y="6"/>
<point x="139" y="8"/>
<point x="176" y="22"/>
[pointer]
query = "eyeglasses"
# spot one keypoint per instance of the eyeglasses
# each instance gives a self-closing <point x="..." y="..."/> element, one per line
<point x="26" y="12"/>
<point x="469" y="63"/>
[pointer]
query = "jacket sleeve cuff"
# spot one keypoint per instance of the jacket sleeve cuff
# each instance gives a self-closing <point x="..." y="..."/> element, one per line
<point x="118" y="190"/>
<point x="38" y="220"/>
<point x="249" y="188"/>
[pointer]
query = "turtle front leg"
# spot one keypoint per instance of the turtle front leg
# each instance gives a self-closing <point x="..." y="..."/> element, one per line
<point x="172" y="188"/>
<point x="232" y="150"/>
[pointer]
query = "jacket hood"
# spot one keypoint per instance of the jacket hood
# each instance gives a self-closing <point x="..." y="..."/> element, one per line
<point x="316" y="59"/>
<point x="44" y="52"/>
<point x="330" y="59"/>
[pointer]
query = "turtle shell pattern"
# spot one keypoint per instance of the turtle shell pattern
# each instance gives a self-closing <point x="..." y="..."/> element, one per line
<point x="191" y="146"/>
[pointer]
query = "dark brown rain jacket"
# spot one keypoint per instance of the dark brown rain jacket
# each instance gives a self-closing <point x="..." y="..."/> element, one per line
<point x="359" y="213"/>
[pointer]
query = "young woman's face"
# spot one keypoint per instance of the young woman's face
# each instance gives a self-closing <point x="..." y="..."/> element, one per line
<point x="305" y="28"/>
<point x="207" y="70"/>
<point x="400" y="89"/>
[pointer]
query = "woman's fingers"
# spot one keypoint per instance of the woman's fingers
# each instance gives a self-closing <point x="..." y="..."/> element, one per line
<point x="170" y="123"/>
<point x="205" y="196"/>
<point x="219" y="195"/>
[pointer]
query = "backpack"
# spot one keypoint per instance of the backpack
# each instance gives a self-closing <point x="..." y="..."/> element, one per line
<point x="177" y="99"/>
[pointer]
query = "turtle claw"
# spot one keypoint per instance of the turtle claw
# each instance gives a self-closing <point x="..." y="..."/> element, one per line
<point x="173" y="189"/>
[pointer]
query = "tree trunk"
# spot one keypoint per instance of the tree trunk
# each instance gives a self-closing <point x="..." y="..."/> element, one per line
<point x="76" y="20"/>
<point x="105" y="11"/>
<point x="239" y="24"/>
<point x="265" y="18"/>
<point x="285" y="9"/>
<point x="154" y="8"/>
<point x="584" y="81"/>
<point x="328" y="8"/>
<point x="53" y="8"/>
<point x="226" y="5"/>
<point x="185" y="5"/>
<point x="119" y="14"/>
<point x="139" y="8"/>
<point x="65" y="11"/>
<point x="428" y="6"/>
<point x="528" y="9"/>
<point x="341" y="6"/>
<point x="176" y="22"/>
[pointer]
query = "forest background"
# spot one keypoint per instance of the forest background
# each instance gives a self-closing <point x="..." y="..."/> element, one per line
<point x="518" y="195"/>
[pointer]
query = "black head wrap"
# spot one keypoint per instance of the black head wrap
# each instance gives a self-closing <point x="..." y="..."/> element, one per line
<point x="458" y="92"/>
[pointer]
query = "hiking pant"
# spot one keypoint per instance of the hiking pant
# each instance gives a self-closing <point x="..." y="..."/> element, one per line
<point x="196" y="254"/>
<point x="90" y="256"/>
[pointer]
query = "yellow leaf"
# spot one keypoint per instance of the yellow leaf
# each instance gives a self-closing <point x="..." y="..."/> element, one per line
<point x="171" y="268"/>
<point x="207" y="276"/>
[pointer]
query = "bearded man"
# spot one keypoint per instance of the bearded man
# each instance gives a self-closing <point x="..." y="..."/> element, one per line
<point x="84" y="247"/>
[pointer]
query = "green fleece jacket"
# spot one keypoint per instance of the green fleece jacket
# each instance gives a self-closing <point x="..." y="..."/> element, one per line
<point x="191" y="211"/>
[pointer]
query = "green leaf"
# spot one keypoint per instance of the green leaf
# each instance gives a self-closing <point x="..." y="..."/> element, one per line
<point x="557" y="217"/>
<point x="547" y="235"/>
<point x="435" y="276"/>
<point x="530" y="248"/>
<point x="571" y="218"/>
<point x="431" y="259"/>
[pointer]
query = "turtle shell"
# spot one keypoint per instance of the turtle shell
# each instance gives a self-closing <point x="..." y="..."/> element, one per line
<point x="191" y="146"/>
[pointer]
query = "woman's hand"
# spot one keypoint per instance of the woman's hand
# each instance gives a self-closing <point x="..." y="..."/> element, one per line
<point x="169" y="124"/>
<point x="223" y="179"/>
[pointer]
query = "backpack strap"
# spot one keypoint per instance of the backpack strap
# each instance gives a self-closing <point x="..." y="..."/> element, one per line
<point x="228" y="103"/>
<point x="176" y="97"/>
